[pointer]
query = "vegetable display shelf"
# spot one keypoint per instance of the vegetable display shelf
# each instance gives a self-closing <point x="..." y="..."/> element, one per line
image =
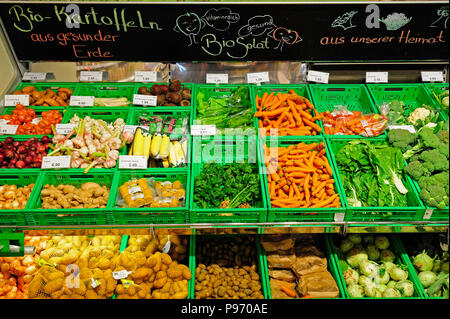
<point x="38" y="110"/>
<point x="303" y="214"/>
<point x="432" y="213"/>
<point x="107" y="114"/>
<point x="400" y="259"/>
<point x="190" y="86"/>
<point x="154" y="215"/>
<point x="262" y="267"/>
<point x="411" y="268"/>
<point x="54" y="86"/>
<point x="434" y="90"/>
<point x="106" y="90"/>
<point x="300" y="89"/>
<point x="413" y="212"/>
<point x="223" y="91"/>
<point x="331" y="267"/>
<point x="224" y="151"/>
<point x="72" y="216"/>
<point x="413" y="95"/>
<point x="17" y="216"/>
<point x="326" y="97"/>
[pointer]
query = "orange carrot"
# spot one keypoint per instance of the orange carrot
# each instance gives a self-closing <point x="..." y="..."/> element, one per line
<point x="290" y="292"/>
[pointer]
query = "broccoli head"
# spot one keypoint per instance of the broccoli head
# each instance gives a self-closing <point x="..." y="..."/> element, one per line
<point x="434" y="196"/>
<point x="416" y="170"/>
<point x="433" y="160"/>
<point x="440" y="178"/>
<point x="443" y="136"/>
<point x="402" y="139"/>
<point x="428" y="137"/>
<point x="443" y="149"/>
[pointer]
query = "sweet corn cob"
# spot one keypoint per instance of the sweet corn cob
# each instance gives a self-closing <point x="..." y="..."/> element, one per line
<point x="156" y="145"/>
<point x="172" y="154"/>
<point x="178" y="151"/>
<point x="138" y="144"/>
<point x="165" y="163"/>
<point x="147" y="145"/>
<point x="164" y="149"/>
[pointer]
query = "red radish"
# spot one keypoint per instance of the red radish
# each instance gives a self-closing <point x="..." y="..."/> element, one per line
<point x="28" y="159"/>
<point x="20" y="164"/>
<point x="9" y="140"/>
<point x="9" y="153"/>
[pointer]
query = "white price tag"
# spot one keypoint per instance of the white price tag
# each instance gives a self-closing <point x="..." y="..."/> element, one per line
<point x="91" y="76"/>
<point x="166" y="247"/>
<point x="132" y="162"/>
<point x="377" y="77"/>
<point x="64" y="128"/>
<point x="141" y="99"/>
<point x="409" y="128"/>
<point x="118" y="275"/>
<point x="216" y="78"/>
<point x="132" y="128"/>
<point x="95" y="283"/>
<point x="257" y="77"/>
<point x="82" y="100"/>
<point x="318" y="77"/>
<point x="53" y="162"/>
<point x="203" y="130"/>
<point x="8" y="129"/>
<point x="428" y="213"/>
<point x="432" y="76"/>
<point x="145" y="76"/>
<point x="14" y="99"/>
<point x="339" y="217"/>
<point x="36" y="120"/>
<point x="34" y="76"/>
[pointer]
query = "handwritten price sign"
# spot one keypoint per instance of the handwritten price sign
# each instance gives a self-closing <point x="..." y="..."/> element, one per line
<point x="257" y="77"/>
<point x="14" y="99"/>
<point x="432" y="76"/>
<point x="318" y="77"/>
<point x="132" y="162"/>
<point x="376" y="77"/>
<point x="216" y="78"/>
<point x="54" y="162"/>
<point x="34" y="76"/>
<point x="91" y="76"/>
<point x="145" y="76"/>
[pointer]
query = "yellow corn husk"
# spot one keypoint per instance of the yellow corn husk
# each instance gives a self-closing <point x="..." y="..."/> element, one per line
<point x="172" y="155"/>
<point x="138" y="144"/>
<point x="156" y="145"/>
<point x="179" y="155"/>
<point x="147" y="145"/>
<point x="130" y="151"/>
<point x="184" y="149"/>
<point x="164" y="149"/>
<point x="165" y="163"/>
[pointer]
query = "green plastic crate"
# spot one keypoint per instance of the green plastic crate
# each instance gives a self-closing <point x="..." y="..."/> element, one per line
<point x="331" y="267"/>
<point x="432" y="213"/>
<point x="190" y="86"/>
<point x="107" y="114"/>
<point x="300" y="89"/>
<point x="74" y="216"/>
<point x="224" y="151"/>
<point x="38" y="110"/>
<point x="412" y="269"/>
<point x="262" y="268"/>
<point x="107" y="90"/>
<point x="413" y="95"/>
<point x="303" y="214"/>
<point x="17" y="217"/>
<point x="414" y="210"/>
<point x="54" y="86"/>
<point x="167" y="112"/>
<point x="222" y="90"/>
<point x="354" y="96"/>
<point x="436" y="88"/>
<point x="399" y="260"/>
<point x="178" y="215"/>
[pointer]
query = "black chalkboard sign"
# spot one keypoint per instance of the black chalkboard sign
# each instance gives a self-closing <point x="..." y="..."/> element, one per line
<point x="227" y="32"/>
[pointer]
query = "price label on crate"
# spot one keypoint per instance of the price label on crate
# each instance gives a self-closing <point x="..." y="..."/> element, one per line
<point x="377" y="77"/>
<point x="432" y="76"/>
<point x="14" y="99"/>
<point x="53" y="162"/>
<point x="146" y="100"/>
<point x="82" y="100"/>
<point x="145" y="76"/>
<point x="409" y="128"/>
<point x="91" y="76"/>
<point x="6" y="129"/>
<point x="216" y="78"/>
<point x="132" y="162"/>
<point x="34" y="76"/>
<point x="132" y="128"/>
<point x="318" y="77"/>
<point x="257" y="77"/>
<point x="122" y="274"/>
<point x="203" y="130"/>
<point x="428" y="213"/>
<point x="339" y="217"/>
<point x="64" y="128"/>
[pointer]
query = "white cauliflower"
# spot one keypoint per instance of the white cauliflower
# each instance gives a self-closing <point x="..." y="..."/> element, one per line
<point x="420" y="113"/>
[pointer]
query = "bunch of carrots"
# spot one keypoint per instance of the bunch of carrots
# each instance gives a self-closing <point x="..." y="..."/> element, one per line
<point x="290" y="113"/>
<point x="300" y="176"/>
<point x="353" y="123"/>
<point x="23" y="117"/>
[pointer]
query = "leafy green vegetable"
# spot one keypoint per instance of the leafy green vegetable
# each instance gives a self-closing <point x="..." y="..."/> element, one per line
<point x="237" y="183"/>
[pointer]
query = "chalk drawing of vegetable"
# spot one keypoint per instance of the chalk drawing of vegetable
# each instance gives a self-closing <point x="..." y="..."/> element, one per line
<point x="284" y="36"/>
<point x="344" y="21"/>
<point x="395" y="21"/>
<point x="190" y="25"/>
<point x="442" y="21"/>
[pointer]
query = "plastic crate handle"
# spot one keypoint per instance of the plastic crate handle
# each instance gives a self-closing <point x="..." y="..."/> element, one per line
<point x="393" y="89"/>
<point x="9" y="177"/>
<point x="335" y="89"/>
